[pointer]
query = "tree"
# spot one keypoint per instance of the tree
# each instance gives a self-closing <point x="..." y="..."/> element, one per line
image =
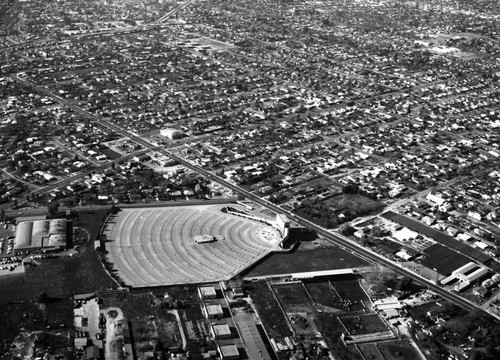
<point x="377" y="231"/>
<point x="405" y="284"/>
<point x="2" y="214"/>
<point x="68" y="202"/>
<point x="347" y="230"/>
<point x="350" y="189"/>
<point x="53" y="209"/>
<point x="43" y="298"/>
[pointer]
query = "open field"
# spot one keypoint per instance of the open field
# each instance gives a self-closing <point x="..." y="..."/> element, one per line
<point x="302" y="324"/>
<point x="370" y="351"/>
<point x="359" y="204"/>
<point x="331" y="329"/>
<point x="363" y="324"/>
<point x="59" y="278"/>
<point x="269" y="310"/>
<point x="327" y="213"/>
<point x="154" y="246"/>
<point x="90" y="221"/>
<point x="351" y="292"/>
<point x="324" y="296"/>
<point x="293" y="297"/>
<point x="306" y="260"/>
<point x="398" y="350"/>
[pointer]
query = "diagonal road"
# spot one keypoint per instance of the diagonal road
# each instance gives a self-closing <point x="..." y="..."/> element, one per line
<point x="335" y="238"/>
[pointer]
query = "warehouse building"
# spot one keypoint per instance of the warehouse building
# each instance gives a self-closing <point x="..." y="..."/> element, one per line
<point x="41" y="234"/>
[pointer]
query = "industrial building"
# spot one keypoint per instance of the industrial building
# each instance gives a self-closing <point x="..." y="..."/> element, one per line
<point x="466" y="275"/>
<point x="41" y="234"/>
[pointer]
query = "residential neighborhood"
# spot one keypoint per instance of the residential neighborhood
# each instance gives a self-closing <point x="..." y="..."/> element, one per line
<point x="337" y="163"/>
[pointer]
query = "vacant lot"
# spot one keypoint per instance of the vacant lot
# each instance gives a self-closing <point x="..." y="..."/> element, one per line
<point x="363" y="324"/>
<point x="59" y="278"/>
<point x="90" y="221"/>
<point x="359" y="204"/>
<point x="293" y="297"/>
<point x="398" y="350"/>
<point x="306" y="260"/>
<point x="269" y="310"/>
<point x="338" y="209"/>
<point x="149" y="324"/>
<point x="324" y="296"/>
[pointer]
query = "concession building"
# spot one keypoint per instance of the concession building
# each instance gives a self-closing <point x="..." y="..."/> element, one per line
<point x="41" y="234"/>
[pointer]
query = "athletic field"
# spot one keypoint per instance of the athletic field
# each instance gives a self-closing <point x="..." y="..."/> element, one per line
<point x="155" y="246"/>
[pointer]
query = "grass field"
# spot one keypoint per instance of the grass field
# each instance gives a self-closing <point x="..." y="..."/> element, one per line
<point x="302" y="325"/>
<point x="351" y="291"/>
<point x="306" y="260"/>
<point x="356" y="203"/>
<point x="91" y="221"/>
<point x="443" y="307"/>
<point x="363" y="324"/>
<point x="398" y="350"/>
<point x="268" y="308"/>
<point x="370" y="351"/>
<point x="331" y="329"/>
<point x="327" y="213"/>
<point x="324" y="296"/>
<point x="293" y="297"/>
